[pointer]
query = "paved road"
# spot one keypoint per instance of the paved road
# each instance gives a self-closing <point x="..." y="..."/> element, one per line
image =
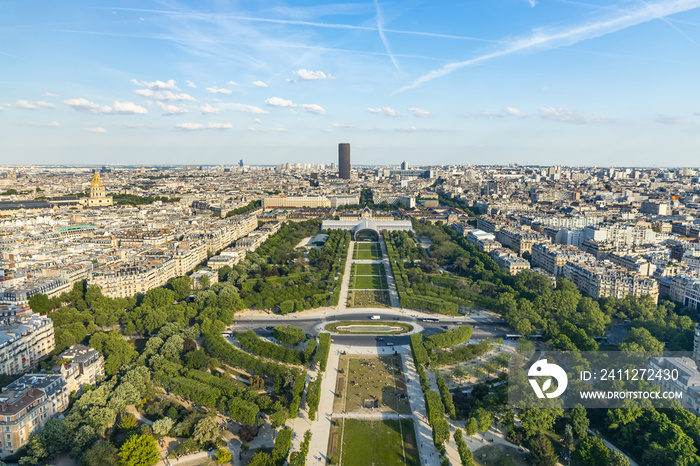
<point x="484" y="328"/>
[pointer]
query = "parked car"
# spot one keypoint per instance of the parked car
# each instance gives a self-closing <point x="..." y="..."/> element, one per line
<point x="388" y="343"/>
<point x="380" y="338"/>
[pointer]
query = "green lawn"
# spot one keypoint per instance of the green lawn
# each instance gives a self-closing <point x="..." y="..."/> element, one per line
<point x="369" y="282"/>
<point x="377" y="443"/>
<point x="380" y="377"/>
<point x="367" y="251"/>
<point x="368" y="298"/>
<point x="368" y="269"/>
<point x="492" y="454"/>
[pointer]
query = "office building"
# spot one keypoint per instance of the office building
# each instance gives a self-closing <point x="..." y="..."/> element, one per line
<point x="344" y="161"/>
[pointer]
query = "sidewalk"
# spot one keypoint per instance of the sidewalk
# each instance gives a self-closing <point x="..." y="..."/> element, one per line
<point x="345" y="284"/>
<point x="390" y="279"/>
<point x="321" y="426"/>
<point x="424" y="433"/>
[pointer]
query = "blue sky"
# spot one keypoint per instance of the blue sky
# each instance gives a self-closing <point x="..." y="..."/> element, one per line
<point x="593" y="82"/>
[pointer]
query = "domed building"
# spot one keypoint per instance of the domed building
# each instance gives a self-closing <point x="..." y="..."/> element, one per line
<point x="98" y="196"/>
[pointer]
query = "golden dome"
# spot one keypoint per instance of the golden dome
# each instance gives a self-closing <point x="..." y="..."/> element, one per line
<point x="96" y="181"/>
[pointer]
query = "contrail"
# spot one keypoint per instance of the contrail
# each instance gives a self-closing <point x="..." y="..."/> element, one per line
<point x="380" y="29"/>
<point x="566" y="38"/>
<point x="293" y="22"/>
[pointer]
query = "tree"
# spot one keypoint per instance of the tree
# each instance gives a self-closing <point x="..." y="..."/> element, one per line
<point x="591" y="451"/>
<point x="261" y="459"/>
<point x="484" y="419"/>
<point x="569" y="437"/>
<point x="640" y="339"/>
<point x="55" y="436"/>
<point x="206" y="431"/>
<point x="163" y="426"/>
<point x="617" y="459"/>
<point x="223" y="456"/>
<point x="182" y="286"/>
<point x="579" y="421"/>
<point x="204" y="281"/>
<point x="471" y="427"/>
<point x="542" y="451"/>
<point x="40" y="303"/>
<point x="139" y="450"/>
<point x="289" y="335"/>
<point x="196" y="359"/>
<point x="127" y="422"/>
<point x="102" y="453"/>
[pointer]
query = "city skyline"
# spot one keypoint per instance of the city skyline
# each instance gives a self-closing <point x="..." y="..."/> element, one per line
<point x="512" y="81"/>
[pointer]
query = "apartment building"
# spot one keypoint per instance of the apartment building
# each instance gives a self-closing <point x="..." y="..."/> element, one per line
<point x="137" y="275"/>
<point x="553" y="257"/>
<point x="272" y="202"/>
<point x="603" y="278"/>
<point x="25" y="339"/>
<point x="25" y="406"/>
<point x="508" y="261"/>
<point x="519" y="239"/>
<point x="81" y="366"/>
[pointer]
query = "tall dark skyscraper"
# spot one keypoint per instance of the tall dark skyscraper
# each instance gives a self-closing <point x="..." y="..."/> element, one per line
<point x="404" y="165"/>
<point x="344" y="161"/>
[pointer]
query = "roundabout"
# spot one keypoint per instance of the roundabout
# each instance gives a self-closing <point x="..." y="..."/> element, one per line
<point x="368" y="328"/>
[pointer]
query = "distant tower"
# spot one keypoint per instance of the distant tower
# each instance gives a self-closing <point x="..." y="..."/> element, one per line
<point x="404" y="165"/>
<point x="240" y="163"/>
<point x="344" y="161"/>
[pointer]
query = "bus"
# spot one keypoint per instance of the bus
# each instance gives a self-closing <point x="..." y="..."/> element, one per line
<point x="430" y="319"/>
<point x="512" y="337"/>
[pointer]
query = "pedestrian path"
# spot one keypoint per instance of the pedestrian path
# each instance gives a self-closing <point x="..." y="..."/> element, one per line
<point x="321" y="426"/>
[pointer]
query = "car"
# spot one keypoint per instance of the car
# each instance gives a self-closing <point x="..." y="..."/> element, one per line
<point x="396" y="318"/>
<point x="270" y="327"/>
<point x="388" y="343"/>
<point x="445" y="327"/>
<point x="309" y="336"/>
<point x="380" y="338"/>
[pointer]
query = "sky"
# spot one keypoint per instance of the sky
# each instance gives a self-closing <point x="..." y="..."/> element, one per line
<point x="591" y="82"/>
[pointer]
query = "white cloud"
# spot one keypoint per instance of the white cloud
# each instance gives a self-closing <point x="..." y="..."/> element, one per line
<point x="420" y="113"/>
<point x="52" y="124"/>
<point x="232" y="83"/>
<point x="308" y="75"/>
<point x="327" y="130"/>
<point x="485" y="114"/>
<point x="388" y="111"/>
<point x="341" y="125"/>
<point x="32" y="104"/>
<point x="218" y="90"/>
<point x="169" y="109"/>
<point x="569" y="116"/>
<point x="157" y="85"/>
<point x="97" y="129"/>
<point x="313" y="108"/>
<point x="514" y="112"/>
<point x="208" y="108"/>
<point x="532" y="3"/>
<point x="279" y="102"/>
<point x="48" y="94"/>
<point x="162" y="95"/>
<point x="191" y="84"/>
<point x="128" y="108"/>
<point x="119" y="108"/>
<point x="200" y="126"/>
<point x="243" y="108"/>
<point x="671" y="120"/>
<point x="258" y="121"/>
<point x="84" y="105"/>
<point x="259" y="84"/>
